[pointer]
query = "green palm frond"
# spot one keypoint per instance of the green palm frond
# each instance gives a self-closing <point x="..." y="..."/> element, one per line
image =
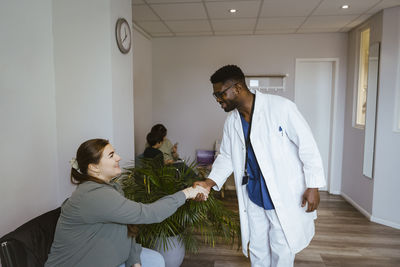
<point x="209" y="221"/>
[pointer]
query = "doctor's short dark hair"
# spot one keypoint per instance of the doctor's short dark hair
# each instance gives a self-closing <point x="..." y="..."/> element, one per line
<point x="153" y="138"/>
<point x="226" y="73"/>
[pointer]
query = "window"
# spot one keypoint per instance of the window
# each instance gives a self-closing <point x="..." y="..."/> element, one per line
<point x="362" y="78"/>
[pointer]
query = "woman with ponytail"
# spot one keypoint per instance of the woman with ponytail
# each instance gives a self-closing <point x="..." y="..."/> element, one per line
<point x="92" y="228"/>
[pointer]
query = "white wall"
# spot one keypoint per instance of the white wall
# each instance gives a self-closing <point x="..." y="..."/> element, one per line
<point x="142" y="77"/>
<point x="182" y="97"/>
<point x="122" y="86"/>
<point x="356" y="188"/>
<point x="63" y="80"/>
<point x="386" y="197"/>
<point x="93" y="80"/>
<point x="28" y="158"/>
<point x="83" y="78"/>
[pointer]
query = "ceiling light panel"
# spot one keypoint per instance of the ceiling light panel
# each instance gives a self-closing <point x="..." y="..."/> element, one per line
<point x="333" y="7"/>
<point x="189" y="11"/>
<point x="245" y="9"/>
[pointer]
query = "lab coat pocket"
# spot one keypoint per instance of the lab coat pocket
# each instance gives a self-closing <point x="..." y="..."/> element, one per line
<point x="276" y="145"/>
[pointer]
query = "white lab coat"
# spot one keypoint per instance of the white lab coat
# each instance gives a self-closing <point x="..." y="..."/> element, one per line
<point x="289" y="161"/>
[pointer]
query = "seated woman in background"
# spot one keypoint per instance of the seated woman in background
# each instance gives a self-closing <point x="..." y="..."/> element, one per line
<point x="154" y="141"/>
<point x="169" y="151"/>
<point x="92" y="228"/>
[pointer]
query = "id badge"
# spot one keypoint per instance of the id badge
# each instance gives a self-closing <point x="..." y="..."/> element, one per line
<point x="245" y="179"/>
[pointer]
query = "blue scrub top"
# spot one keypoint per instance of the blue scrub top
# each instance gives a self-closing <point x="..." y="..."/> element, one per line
<point x="256" y="187"/>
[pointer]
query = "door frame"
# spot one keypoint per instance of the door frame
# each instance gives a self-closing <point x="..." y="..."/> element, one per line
<point x="334" y="151"/>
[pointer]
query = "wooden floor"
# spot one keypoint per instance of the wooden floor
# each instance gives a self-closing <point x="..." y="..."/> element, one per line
<point x="344" y="238"/>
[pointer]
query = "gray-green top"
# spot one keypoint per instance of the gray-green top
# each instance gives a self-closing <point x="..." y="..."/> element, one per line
<point x="166" y="149"/>
<point x="91" y="230"/>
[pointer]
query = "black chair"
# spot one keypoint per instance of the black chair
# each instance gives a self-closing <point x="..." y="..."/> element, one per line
<point x="29" y="245"/>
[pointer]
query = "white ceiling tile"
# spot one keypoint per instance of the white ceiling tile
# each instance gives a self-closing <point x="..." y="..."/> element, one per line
<point x="245" y="9"/>
<point x="322" y="22"/>
<point x="194" y="33"/>
<point x="346" y="29"/>
<point x="384" y="4"/>
<point x="318" y="30"/>
<point x="334" y="7"/>
<point x="171" y="1"/>
<point x="189" y="17"/>
<point x="280" y="23"/>
<point x="234" y="32"/>
<point x="275" y="31"/>
<point x="162" y="34"/>
<point x="287" y="8"/>
<point x="233" y="24"/>
<point x="358" y="21"/>
<point x="142" y="12"/>
<point x="189" y="26"/>
<point x="135" y="2"/>
<point x="153" y="26"/>
<point x="180" y="11"/>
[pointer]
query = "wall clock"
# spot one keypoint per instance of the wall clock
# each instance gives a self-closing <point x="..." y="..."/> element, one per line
<point x="123" y="35"/>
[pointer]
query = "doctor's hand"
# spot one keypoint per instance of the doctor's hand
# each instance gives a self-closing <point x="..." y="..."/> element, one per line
<point x="207" y="184"/>
<point x="194" y="191"/>
<point x="311" y="196"/>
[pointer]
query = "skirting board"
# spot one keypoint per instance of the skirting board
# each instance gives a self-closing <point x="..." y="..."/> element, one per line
<point x="355" y="205"/>
<point x="385" y="222"/>
<point x="368" y="215"/>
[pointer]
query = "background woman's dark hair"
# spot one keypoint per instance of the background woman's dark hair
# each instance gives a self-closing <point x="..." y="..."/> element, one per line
<point x="153" y="138"/>
<point x="159" y="128"/>
<point x="89" y="152"/>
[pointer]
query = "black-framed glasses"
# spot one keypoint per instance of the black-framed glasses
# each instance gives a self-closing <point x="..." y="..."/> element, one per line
<point x="219" y="95"/>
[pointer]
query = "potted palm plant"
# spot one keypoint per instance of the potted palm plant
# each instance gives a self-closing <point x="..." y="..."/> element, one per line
<point x="192" y="223"/>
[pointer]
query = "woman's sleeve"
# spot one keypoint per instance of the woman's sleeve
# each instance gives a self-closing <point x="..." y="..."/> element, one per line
<point x="105" y="204"/>
<point x="134" y="255"/>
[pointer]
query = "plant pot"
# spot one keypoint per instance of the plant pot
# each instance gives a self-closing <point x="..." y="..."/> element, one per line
<point x="175" y="253"/>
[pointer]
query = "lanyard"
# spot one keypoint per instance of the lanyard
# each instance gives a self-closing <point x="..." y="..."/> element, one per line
<point x="246" y="176"/>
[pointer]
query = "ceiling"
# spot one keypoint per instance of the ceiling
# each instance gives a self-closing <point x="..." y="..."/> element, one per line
<point x="169" y="18"/>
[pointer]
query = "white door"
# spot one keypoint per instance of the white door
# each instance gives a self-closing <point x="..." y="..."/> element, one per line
<point x="313" y="96"/>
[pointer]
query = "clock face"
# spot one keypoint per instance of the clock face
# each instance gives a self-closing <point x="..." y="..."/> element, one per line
<point x="123" y="35"/>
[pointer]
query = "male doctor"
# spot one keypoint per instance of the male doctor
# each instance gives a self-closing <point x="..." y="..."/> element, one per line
<point x="269" y="147"/>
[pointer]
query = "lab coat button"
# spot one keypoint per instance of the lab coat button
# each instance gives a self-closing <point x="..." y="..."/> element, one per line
<point x="244" y="210"/>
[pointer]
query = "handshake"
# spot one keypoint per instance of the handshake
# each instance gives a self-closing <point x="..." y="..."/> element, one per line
<point x="196" y="192"/>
